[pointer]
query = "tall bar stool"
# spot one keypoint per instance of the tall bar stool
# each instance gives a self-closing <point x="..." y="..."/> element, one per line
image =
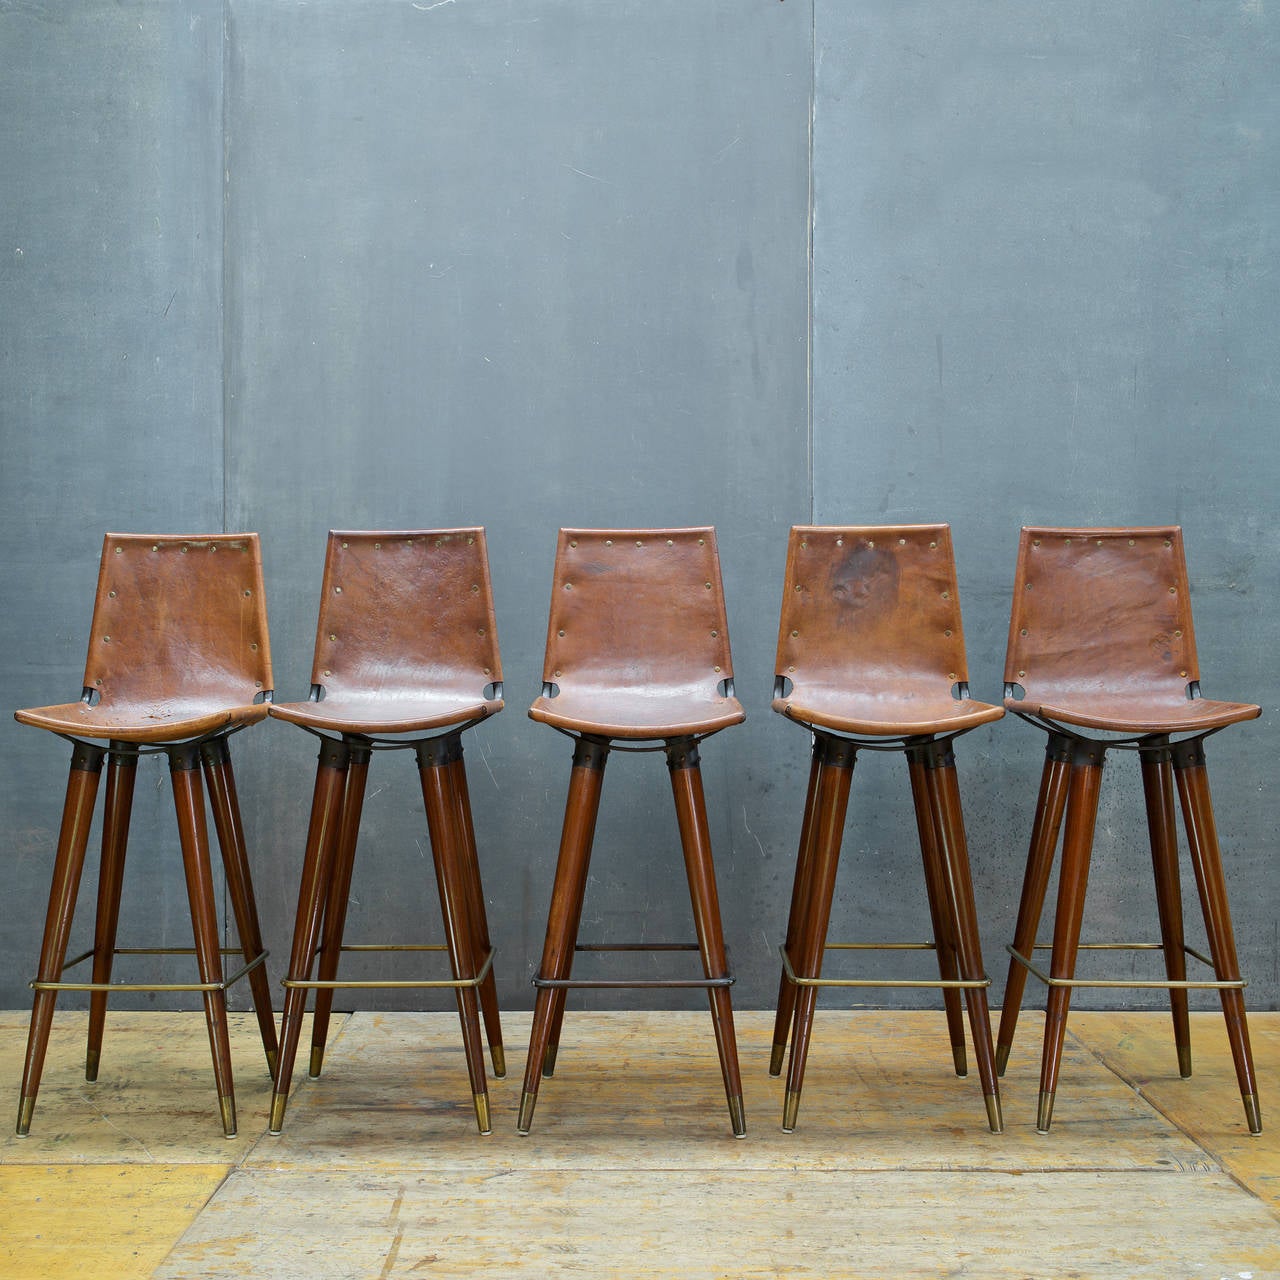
<point x="637" y="652"/>
<point x="178" y="661"/>
<point x="1101" y="642"/>
<point x="406" y="658"/>
<point x="871" y="658"/>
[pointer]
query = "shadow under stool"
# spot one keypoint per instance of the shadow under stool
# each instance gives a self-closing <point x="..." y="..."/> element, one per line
<point x="637" y="659"/>
<point x="871" y="658"/>
<point x="178" y="661"/>
<point x="1102" y="657"/>
<point x="406" y="658"/>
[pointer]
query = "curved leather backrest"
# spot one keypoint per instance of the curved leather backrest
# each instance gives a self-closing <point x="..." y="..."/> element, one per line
<point x="636" y="609"/>
<point x="1102" y="610"/>
<point x="405" y="610"/>
<point x="870" y="608"/>
<point x="179" y="618"/>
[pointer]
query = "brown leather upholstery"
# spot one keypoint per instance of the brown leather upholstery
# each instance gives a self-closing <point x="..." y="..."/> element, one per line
<point x="637" y="643"/>
<point x="406" y="640"/>
<point x="178" y="646"/>
<point x="870" y="636"/>
<point x="1101" y="635"/>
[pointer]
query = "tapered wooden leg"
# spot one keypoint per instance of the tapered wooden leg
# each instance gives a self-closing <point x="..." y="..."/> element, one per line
<point x="695" y="840"/>
<point x="940" y="911"/>
<point x="193" y="835"/>
<point x="322" y="831"/>
<point x="800" y="894"/>
<point x="448" y="852"/>
<point x="122" y="773"/>
<point x="337" y="896"/>
<point x="1206" y="859"/>
<point x="73" y="840"/>
<point x="944" y="797"/>
<point x="1157" y="790"/>
<point x="1077" y="845"/>
<point x="583" y="804"/>
<point x="1050" y="806"/>
<point x="474" y="892"/>
<point x="835" y="778"/>
<point x="221" y="784"/>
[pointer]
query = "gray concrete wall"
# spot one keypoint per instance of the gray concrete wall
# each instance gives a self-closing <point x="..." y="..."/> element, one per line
<point x="292" y="267"/>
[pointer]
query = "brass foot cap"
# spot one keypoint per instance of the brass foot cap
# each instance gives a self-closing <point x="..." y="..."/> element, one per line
<point x="549" y="1061"/>
<point x="317" y="1062"/>
<point x="995" y="1118"/>
<point x="91" y="1060"/>
<point x="482" y="1113"/>
<point x="527" y="1103"/>
<point x="227" y="1106"/>
<point x="26" y="1109"/>
<point x="1044" y="1113"/>
<point x="1184" y="1061"/>
<point x="790" y="1112"/>
<point x="958" y="1057"/>
<point x="278" y="1103"/>
<point x="738" y="1116"/>
<point x="1253" y="1112"/>
<point x="498" y="1056"/>
<point x="1002" y="1058"/>
<point x="775" y="1059"/>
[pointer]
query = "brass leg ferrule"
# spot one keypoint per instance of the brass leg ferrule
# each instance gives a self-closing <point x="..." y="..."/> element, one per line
<point x="995" y="1117"/>
<point x="958" y="1057"/>
<point x="527" y="1103"/>
<point x="91" y="1059"/>
<point x="1044" y="1113"/>
<point x="498" y="1056"/>
<point x="482" y="1113"/>
<point x="1184" y="1061"/>
<point x="1002" y="1058"/>
<point x="549" y="1062"/>
<point x="738" y="1116"/>
<point x="26" y="1109"/>
<point x="790" y="1111"/>
<point x="317" y="1061"/>
<point x="278" y="1103"/>
<point x="227" y="1106"/>
<point x="776" y="1057"/>
<point x="1253" y="1112"/>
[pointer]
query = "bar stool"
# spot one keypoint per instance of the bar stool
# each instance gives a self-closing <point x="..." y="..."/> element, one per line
<point x="871" y="658"/>
<point x="178" y="661"/>
<point x="637" y="652"/>
<point x="406" y="658"/>
<point x="1101" y="642"/>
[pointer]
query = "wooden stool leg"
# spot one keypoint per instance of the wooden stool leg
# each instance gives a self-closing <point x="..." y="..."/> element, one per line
<point x="1050" y="806"/>
<point x="939" y="908"/>
<point x="835" y="778"/>
<point x="193" y="835"/>
<point x="474" y="893"/>
<point x="583" y="804"/>
<point x="221" y="784"/>
<point x="73" y="840"/>
<point x="944" y="797"/>
<point x="317" y="861"/>
<point x="1206" y="859"/>
<point x="695" y="840"/>
<point x="122" y="773"/>
<point x="435" y="755"/>
<point x="801" y="891"/>
<point x="338" y="894"/>
<point x="1073" y="879"/>
<point x="1157" y="790"/>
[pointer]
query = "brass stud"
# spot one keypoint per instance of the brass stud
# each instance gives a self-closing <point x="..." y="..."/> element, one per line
<point x="708" y="586"/>
<point x="560" y="633"/>
<point x="112" y="594"/>
<point x="332" y="635"/>
<point x="702" y="542"/>
<point x="671" y="542"/>
<point x="791" y="669"/>
<point x="337" y="591"/>
<point x="717" y="669"/>
<point x="479" y="631"/>
<point x="184" y="549"/>
<point x="573" y="543"/>
<point x="902" y="542"/>
<point x="119" y="551"/>
<point x="1131" y="542"/>
<point x="213" y="547"/>
<point x="1183" y="674"/>
<point x="247" y="592"/>
<point x="377" y="546"/>
<point x="951" y="675"/>
<point x="106" y="639"/>
<point x="794" y="634"/>
<point x="947" y="633"/>
<point x="471" y="542"/>
<point x="98" y="683"/>
<point x="408" y="542"/>
<point x="714" y="634"/>
<point x="155" y="546"/>
<point x="946" y="595"/>
<point x="608" y="542"/>
<point x="1023" y="631"/>
<point x="345" y="545"/>
<point x="1168" y="542"/>
<point x="253" y="646"/>
<point x="556" y="674"/>
<point x="1178" y="635"/>
<point x="475" y="586"/>
<point x="257" y="684"/>
<point x="1035" y="542"/>
<point x="933" y="546"/>
<point x="568" y="586"/>
<point x="639" y="543"/>
<point x="871" y="543"/>
<point x="328" y="673"/>
<point x="1022" y="675"/>
<point x="799" y="587"/>
<point x="487" y="671"/>
<point x="1173" y="591"/>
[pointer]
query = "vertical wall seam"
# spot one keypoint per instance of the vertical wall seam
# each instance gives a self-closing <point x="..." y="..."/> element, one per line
<point x="224" y="160"/>
<point x="809" y="233"/>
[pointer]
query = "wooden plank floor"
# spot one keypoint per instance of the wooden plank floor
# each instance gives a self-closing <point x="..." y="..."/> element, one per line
<point x="631" y="1169"/>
